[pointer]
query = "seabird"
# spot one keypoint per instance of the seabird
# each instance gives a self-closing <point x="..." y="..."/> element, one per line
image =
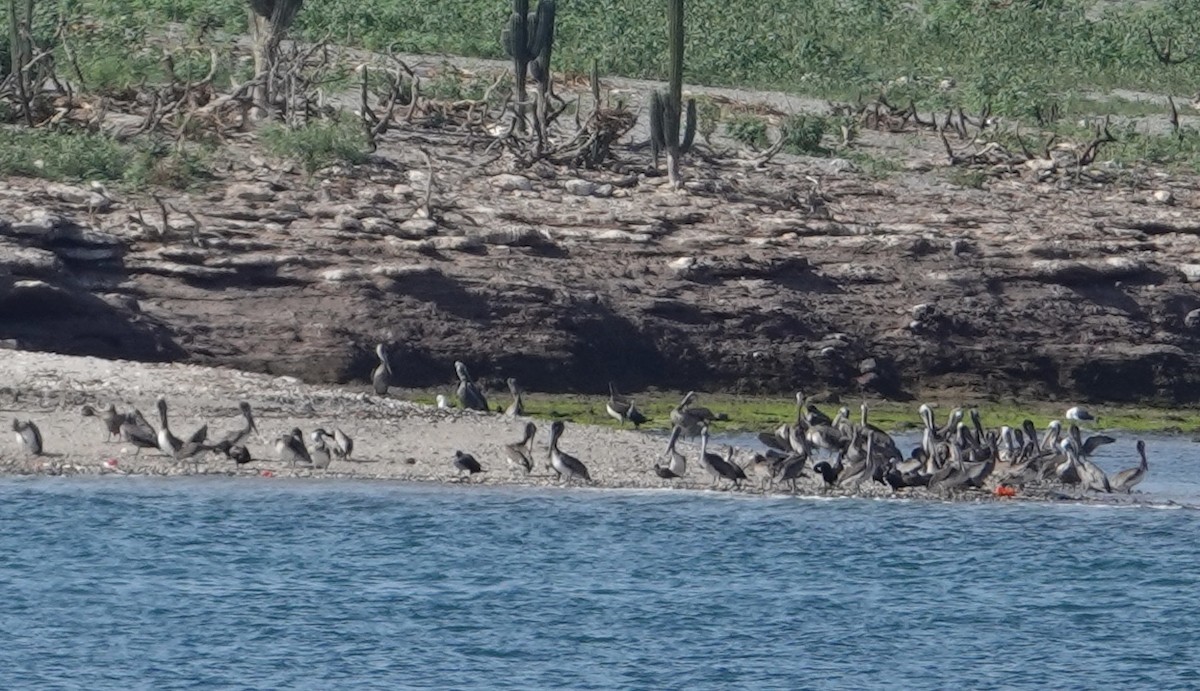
<point x="238" y="436"/>
<point x="111" y="418"/>
<point x="622" y="409"/>
<point x="715" y="465"/>
<point x="381" y="377"/>
<point x="690" y="419"/>
<point x="568" y="467"/>
<point x="469" y="395"/>
<point x="343" y="444"/>
<point x="319" y="453"/>
<point x="520" y="454"/>
<point x="465" y="462"/>
<point x="1079" y="413"/>
<point x="517" y="407"/>
<point x="676" y="461"/>
<point x="28" y="436"/>
<point x="136" y="430"/>
<point x="441" y="403"/>
<point x="168" y="443"/>
<point x="1126" y="480"/>
<point x="291" y="450"/>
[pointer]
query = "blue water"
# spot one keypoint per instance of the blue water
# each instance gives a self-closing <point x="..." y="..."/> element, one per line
<point x="123" y="583"/>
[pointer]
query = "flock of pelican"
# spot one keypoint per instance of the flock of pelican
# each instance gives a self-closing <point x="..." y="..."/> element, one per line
<point x="960" y="454"/>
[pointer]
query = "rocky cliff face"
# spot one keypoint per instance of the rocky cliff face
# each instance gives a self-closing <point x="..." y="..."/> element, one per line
<point x="753" y="279"/>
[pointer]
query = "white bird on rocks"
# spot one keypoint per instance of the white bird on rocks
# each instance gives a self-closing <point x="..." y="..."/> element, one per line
<point x="441" y="403"/>
<point x="1079" y="413"/>
<point x="28" y="436"/>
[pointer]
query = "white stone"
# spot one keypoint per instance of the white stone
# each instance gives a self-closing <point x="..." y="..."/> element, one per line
<point x="512" y="183"/>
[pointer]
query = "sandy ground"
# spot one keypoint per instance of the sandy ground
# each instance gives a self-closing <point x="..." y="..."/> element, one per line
<point x="394" y="439"/>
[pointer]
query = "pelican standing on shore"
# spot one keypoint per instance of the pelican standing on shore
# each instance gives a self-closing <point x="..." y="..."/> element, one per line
<point x="136" y="430"/>
<point x="469" y="395"/>
<point x="291" y="449"/>
<point x="622" y="409"/>
<point x="381" y="377"/>
<point x="168" y="443"/>
<point x="28" y="436"/>
<point x="520" y="454"/>
<point x="1126" y="480"/>
<point x="238" y="436"/>
<point x="568" y="467"/>
<point x="517" y="407"/>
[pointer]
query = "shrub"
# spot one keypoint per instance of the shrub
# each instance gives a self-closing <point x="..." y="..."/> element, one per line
<point x="802" y="134"/>
<point x="319" y="144"/>
<point x="748" y="130"/>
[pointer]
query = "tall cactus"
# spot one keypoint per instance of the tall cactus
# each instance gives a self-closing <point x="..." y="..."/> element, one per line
<point x="666" y="108"/>
<point x="528" y="38"/>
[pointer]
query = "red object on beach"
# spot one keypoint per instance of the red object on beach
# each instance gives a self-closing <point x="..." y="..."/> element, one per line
<point x="110" y="463"/>
<point x="267" y="473"/>
<point x="1005" y="491"/>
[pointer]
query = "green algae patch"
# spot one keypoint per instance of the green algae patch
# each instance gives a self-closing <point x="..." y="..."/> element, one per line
<point x="762" y="413"/>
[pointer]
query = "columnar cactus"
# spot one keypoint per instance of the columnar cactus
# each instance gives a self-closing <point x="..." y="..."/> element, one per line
<point x="528" y="38"/>
<point x="269" y="22"/>
<point x="666" y="108"/>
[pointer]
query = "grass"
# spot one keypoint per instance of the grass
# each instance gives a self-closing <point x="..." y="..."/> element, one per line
<point x="76" y="156"/>
<point x="761" y="414"/>
<point x="319" y="144"/>
<point x="1020" y="57"/>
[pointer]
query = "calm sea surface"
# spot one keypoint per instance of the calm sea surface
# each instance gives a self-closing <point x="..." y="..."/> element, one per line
<point x="124" y="583"/>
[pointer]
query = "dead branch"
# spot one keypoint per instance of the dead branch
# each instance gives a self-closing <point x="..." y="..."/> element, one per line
<point x="1101" y="138"/>
<point x="1164" y="53"/>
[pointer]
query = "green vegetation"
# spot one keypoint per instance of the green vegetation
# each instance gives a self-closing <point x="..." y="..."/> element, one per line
<point x="319" y="144"/>
<point x="748" y="130"/>
<point x="761" y="414"/>
<point x="802" y="134"/>
<point x="66" y="155"/>
<point x="1018" y="56"/>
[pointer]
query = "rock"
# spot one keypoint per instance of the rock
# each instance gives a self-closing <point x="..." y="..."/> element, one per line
<point x="348" y="223"/>
<point x="93" y="200"/>
<point x="1191" y="272"/>
<point x="1192" y="320"/>
<point x="417" y="228"/>
<point x="682" y="266"/>
<point x="29" y="261"/>
<point x="251" y="192"/>
<point x="922" y="311"/>
<point x="378" y="226"/>
<point x="397" y="271"/>
<point x="580" y="188"/>
<point x="509" y="182"/>
<point x="184" y="271"/>
<point x="867" y="365"/>
<point x="1078" y="271"/>
<point x="342" y="275"/>
<point x="36" y="222"/>
<point x="455" y="243"/>
<point x="604" y="191"/>
<point x="511" y="236"/>
<point x="1164" y="197"/>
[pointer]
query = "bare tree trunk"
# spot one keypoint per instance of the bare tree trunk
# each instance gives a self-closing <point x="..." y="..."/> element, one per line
<point x="269" y="22"/>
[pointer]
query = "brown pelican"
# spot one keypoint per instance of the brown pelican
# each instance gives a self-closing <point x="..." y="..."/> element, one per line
<point x="319" y="452"/>
<point x="238" y="436"/>
<point x="622" y="409"/>
<point x="716" y="466"/>
<point x="137" y="431"/>
<point x="111" y="418"/>
<point x="381" y="377"/>
<point x="664" y="472"/>
<point x="1126" y="480"/>
<point x="792" y="468"/>
<point x="1086" y="447"/>
<point x="1079" y="413"/>
<point x="239" y="454"/>
<point x="676" y="461"/>
<point x="343" y="444"/>
<point x="469" y="395"/>
<point x="29" y="437"/>
<point x="517" y="407"/>
<point x="168" y="443"/>
<point x="466" y="463"/>
<point x="691" y="419"/>
<point x="568" y="467"/>
<point x="520" y="454"/>
<point x="291" y="450"/>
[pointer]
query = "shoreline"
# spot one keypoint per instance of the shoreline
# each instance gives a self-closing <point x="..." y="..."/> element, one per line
<point x="395" y="440"/>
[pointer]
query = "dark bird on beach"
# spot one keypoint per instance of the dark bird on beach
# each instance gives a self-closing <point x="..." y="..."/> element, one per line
<point x="109" y="416"/>
<point x="519" y="454"/>
<point x="137" y="430"/>
<point x="238" y="436"/>
<point x="517" y="407"/>
<point x="29" y="437"/>
<point x="466" y="463"/>
<point x="568" y="467"/>
<point x="381" y="377"/>
<point x="1126" y="480"/>
<point x="469" y="395"/>
<point x="622" y="409"/>
<point x="291" y="449"/>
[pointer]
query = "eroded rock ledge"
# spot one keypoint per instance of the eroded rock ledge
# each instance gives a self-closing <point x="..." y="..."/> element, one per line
<point x="739" y="283"/>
